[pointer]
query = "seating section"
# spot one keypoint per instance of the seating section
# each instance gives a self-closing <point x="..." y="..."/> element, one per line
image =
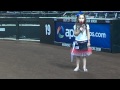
<point x="89" y="14"/>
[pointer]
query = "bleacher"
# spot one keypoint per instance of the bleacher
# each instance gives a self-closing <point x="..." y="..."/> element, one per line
<point x="89" y="14"/>
<point x="95" y="14"/>
<point x="30" y="14"/>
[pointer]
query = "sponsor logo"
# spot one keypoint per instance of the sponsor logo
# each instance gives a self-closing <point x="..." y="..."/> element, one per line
<point x="60" y="32"/>
<point x="96" y="49"/>
<point x="69" y="33"/>
<point x="66" y="44"/>
<point x="98" y="35"/>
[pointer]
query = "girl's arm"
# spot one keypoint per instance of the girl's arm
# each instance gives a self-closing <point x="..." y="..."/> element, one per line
<point x="88" y="35"/>
<point x="76" y="31"/>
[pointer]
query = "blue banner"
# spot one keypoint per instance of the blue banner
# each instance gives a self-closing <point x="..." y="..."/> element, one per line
<point x="100" y="34"/>
<point x="64" y="32"/>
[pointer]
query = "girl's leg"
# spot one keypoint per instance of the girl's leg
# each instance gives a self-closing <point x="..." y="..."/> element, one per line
<point x="77" y="64"/>
<point x="84" y="64"/>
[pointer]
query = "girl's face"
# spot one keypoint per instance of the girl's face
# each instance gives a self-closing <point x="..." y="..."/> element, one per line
<point x="81" y="19"/>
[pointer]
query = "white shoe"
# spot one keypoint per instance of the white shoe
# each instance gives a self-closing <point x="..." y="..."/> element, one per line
<point x="85" y="70"/>
<point x="76" y="69"/>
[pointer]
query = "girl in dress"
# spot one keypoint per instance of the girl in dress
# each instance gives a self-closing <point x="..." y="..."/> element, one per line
<point x="81" y="46"/>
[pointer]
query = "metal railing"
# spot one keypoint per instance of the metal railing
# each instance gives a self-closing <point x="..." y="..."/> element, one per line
<point x="89" y="14"/>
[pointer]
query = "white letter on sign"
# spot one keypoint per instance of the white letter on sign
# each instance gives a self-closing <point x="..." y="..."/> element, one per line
<point x="48" y="29"/>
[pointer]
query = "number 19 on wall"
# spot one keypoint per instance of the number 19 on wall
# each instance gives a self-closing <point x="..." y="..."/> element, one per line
<point x="48" y="29"/>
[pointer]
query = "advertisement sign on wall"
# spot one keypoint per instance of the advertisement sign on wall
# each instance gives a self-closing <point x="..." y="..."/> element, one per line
<point x="100" y="34"/>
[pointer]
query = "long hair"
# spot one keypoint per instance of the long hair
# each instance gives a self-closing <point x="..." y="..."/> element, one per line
<point x="78" y="23"/>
